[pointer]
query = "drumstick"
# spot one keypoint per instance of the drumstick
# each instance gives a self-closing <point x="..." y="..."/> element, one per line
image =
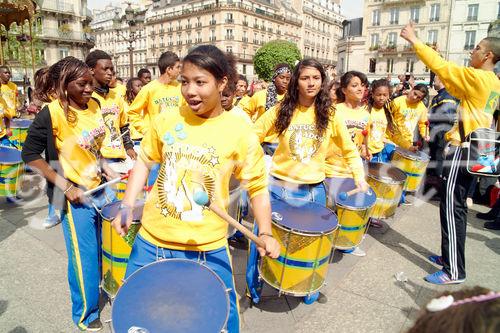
<point x="201" y="198"/>
<point x="111" y="182"/>
<point x="345" y="195"/>
<point x="126" y="131"/>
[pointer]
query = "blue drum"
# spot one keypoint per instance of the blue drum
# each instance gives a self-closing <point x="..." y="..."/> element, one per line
<point x="172" y="295"/>
<point x="305" y="233"/>
<point x="19" y="129"/>
<point x="11" y="171"/>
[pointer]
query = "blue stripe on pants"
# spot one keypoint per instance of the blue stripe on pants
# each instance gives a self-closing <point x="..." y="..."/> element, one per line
<point x="143" y="253"/>
<point x="80" y="224"/>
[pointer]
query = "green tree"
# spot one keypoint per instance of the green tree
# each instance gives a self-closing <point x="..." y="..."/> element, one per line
<point x="273" y="53"/>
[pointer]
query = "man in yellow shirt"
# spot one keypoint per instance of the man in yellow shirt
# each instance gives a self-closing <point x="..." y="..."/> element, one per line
<point x="144" y="75"/>
<point x="478" y="89"/>
<point x="8" y="91"/>
<point x="241" y="98"/>
<point x="158" y="96"/>
<point x="117" y="139"/>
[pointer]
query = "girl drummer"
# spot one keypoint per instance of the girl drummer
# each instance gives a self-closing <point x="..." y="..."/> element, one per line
<point x="70" y="130"/>
<point x="194" y="159"/>
<point x="134" y="85"/>
<point x="380" y="119"/>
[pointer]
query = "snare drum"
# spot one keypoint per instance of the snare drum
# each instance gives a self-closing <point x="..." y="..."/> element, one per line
<point x="305" y="233"/>
<point x="413" y="164"/>
<point x="19" y="129"/>
<point x="11" y="171"/>
<point x="116" y="249"/>
<point x="353" y="215"/>
<point x="387" y="182"/>
<point x="172" y="295"/>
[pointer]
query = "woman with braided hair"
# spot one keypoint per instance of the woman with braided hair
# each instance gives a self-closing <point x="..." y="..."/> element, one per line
<point x="70" y="129"/>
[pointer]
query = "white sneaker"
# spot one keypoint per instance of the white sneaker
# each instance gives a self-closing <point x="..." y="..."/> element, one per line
<point x="469" y="202"/>
<point x="358" y="252"/>
<point x="51" y="222"/>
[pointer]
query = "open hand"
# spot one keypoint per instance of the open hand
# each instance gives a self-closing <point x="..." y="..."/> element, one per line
<point x="408" y="33"/>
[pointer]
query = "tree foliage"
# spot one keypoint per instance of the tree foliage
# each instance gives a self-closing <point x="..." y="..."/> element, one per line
<point x="273" y="53"/>
<point x="17" y="46"/>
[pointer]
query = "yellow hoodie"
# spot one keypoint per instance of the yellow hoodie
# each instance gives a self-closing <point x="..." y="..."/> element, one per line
<point x="477" y="89"/>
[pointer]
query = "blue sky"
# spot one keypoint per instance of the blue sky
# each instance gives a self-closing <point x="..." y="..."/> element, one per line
<point x="350" y="8"/>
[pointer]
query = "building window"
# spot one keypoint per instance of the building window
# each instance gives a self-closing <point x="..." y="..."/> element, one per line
<point x="415" y="14"/>
<point x="390" y="65"/>
<point x="498" y="14"/>
<point x="229" y="18"/>
<point x="466" y="62"/>
<point x="394" y="16"/>
<point x="470" y="40"/>
<point x="376" y="17"/>
<point x="392" y="39"/>
<point x="432" y="37"/>
<point x="409" y="65"/>
<point x="434" y="14"/>
<point x="229" y="49"/>
<point x="244" y="69"/>
<point x="373" y="65"/>
<point x="374" y="41"/>
<point x="229" y="34"/>
<point x="63" y="52"/>
<point x="472" y="12"/>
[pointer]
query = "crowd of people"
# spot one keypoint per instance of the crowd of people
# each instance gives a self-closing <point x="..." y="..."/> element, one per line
<point x="200" y="124"/>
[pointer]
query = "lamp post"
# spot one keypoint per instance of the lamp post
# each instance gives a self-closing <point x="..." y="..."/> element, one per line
<point x="135" y="25"/>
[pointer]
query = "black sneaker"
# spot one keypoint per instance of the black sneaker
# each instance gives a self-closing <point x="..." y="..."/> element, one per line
<point x="95" y="326"/>
<point x="486" y="216"/>
<point x="492" y="225"/>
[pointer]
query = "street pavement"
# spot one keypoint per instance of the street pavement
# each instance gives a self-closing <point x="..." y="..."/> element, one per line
<point x="363" y="293"/>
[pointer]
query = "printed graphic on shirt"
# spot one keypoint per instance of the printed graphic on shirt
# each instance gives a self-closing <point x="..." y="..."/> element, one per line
<point x="410" y="116"/>
<point x="110" y="114"/>
<point x="167" y="103"/>
<point x="187" y="169"/>
<point x="492" y="103"/>
<point x="377" y="131"/>
<point x="355" y="128"/>
<point x="303" y="142"/>
<point x="92" y="142"/>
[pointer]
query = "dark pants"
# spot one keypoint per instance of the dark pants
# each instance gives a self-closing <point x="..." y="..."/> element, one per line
<point x="436" y="152"/>
<point x="453" y="213"/>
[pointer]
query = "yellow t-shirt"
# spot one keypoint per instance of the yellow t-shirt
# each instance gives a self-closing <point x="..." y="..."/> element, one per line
<point x="114" y="116"/>
<point x="4" y="113"/>
<point x="9" y="93"/>
<point x="377" y="130"/>
<point x="194" y="157"/>
<point x="78" y="145"/>
<point x="243" y="102"/>
<point x="338" y="164"/>
<point x="256" y="106"/>
<point x="407" y="116"/>
<point x="134" y="134"/>
<point x="478" y="91"/>
<point x="301" y="153"/>
<point x="152" y="99"/>
<point x="355" y="120"/>
<point x="242" y="114"/>
<point x="120" y="90"/>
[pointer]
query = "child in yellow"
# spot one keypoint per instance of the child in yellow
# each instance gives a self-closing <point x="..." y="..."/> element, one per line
<point x="8" y="91"/>
<point x="241" y="98"/>
<point x="117" y="139"/>
<point x="263" y="100"/>
<point x="380" y="94"/>
<point x="134" y="85"/>
<point x="227" y="98"/>
<point x="70" y="131"/>
<point x="408" y="111"/>
<point x="353" y="112"/>
<point x="158" y="96"/>
<point x="307" y="127"/>
<point x="194" y="159"/>
<point x="478" y="89"/>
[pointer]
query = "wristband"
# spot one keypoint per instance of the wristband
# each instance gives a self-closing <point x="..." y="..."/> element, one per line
<point x="265" y="234"/>
<point x="69" y="188"/>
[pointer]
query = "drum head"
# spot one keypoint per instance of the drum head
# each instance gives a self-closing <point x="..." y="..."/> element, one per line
<point x="173" y="295"/>
<point x="109" y="211"/>
<point x="416" y="156"/>
<point x="357" y="200"/>
<point x="308" y="218"/>
<point x="20" y="123"/>
<point x="386" y="173"/>
<point x="10" y="155"/>
<point x="119" y="167"/>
